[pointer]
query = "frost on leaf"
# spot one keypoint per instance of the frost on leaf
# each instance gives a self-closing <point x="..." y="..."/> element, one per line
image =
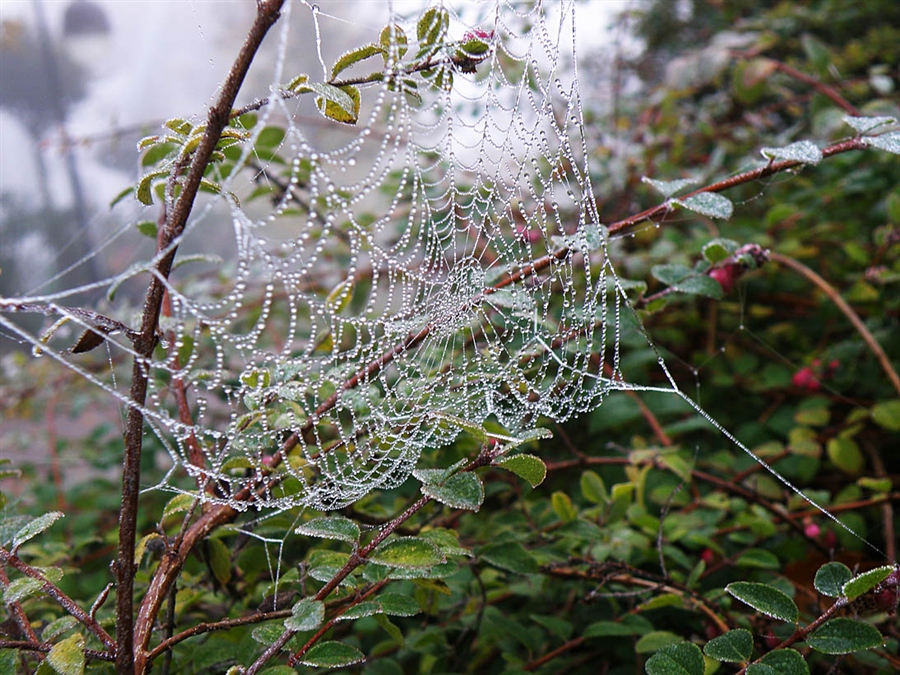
<point x="806" y="152"/>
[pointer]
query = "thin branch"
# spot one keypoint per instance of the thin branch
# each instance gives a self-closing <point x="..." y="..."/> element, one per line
<point x="847" y="311"/>
<point x="51" y="589"/>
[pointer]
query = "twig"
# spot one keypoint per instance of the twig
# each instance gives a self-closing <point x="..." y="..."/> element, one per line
<point x="820" y="87"/>
<point x="847" y="311"/>
<point x="51" y="589"/>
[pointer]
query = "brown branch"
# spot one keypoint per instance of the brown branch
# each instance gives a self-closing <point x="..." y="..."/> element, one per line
<point x="268" y="12"/>
<point x="821" y="87"/>
<point x="45" y="647"/>
<point x="846" y="310"/>
<point x="51" y="589"/>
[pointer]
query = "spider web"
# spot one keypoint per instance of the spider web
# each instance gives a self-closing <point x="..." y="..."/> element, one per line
<point x="442" y="269"/>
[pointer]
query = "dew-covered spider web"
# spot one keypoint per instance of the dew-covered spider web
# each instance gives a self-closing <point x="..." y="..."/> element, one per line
<point x="435" y="265"/>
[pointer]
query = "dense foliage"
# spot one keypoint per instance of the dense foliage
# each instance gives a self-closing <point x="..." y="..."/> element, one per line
<point x="653" y="542"/>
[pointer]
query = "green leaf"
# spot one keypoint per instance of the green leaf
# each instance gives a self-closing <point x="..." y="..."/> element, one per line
<point x="760" y="669"/>
<point x="355" y="56"/>
<point x="843" y="636"/>
<point x="460" y="491"/>
<point x="408" y="552"/>
<point x="34" y="528"/>
<point x="682" y="658"/>
<point x="563" y="507"/>
<point x="864" y="125"/>
<point x="360" y="610"/>
<point x="887" y="414"/>
<point x="610" y="628"/>
<point x="178" y="504"/>
<point x="765" y="599"/>
<point x="866" y="581"/>
<point x="67" y="657"/>
<point x="308" y="614"/>
<point x="806" y="152"/>
<point x="785" y="662"/>
<point x="330" y="93"/>
<point x="758" y="557"/>
<point x="593" y="488"/>
<point x="511" y="556"/>
<point x="672" y="273"/>
<point x="144" y="190"/>
<point x="21" y="589"/>
<point x="890" y="142"/>
<point x="337" y="112"/>
<point x="719" y="249"/>
<point x="397" y="604"/>
<point x="656" y="640"/>
<point x="735" y="646"/>
<point x="340" y="296"/>
<point x="845" y="454"/>
<point x="330" y="527"/>
<point x="147" y="228"/>
<point x="393" y="37"/>
<point x="527" y="467"/>
<point x="432" y="25"/>
<point x="331" y="654"/>
<point x="220" y="560"/>
<point x="57" y="628"/>
<point x="830" y="579"/>
<point x="390" y="628"/>
<point x="709" y="204"/>
<point x="669" y="187"/>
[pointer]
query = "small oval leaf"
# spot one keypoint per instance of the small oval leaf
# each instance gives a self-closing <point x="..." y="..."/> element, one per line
<point x="830" y="579"/>
<point x="806" y="152"/>
<point x="67" y="656"/>
<point x="527" y="467"/>
<point x="866" y="581"/>
<point x="735" y="646"/>
<point x="709" y="204"/>
<point x="681" y="658"/>
<point x="765" y="599"/>
<point x="408" y="552"/>
<point x="34" y="528"/>
<point x="843" y="636"/>
<point x="330" y="527"/>
<point x="308" y="614"/>
<point x="785" y="662"/>
<point x="332" y="654"/>
<point x="460" y="491"/>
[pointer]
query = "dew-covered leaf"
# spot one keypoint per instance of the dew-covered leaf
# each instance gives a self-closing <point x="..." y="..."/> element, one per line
<point x="785" y="662"/>
<point x="735" y="646"/>
<point x="34" y="528"/>
<point x="355" y="56"/>
<point x="806" y="152"/>
<point x="307" y="614"/>
<point x="866" y="581"/>
<point x="669" y="187"/>
<point x="67" y="656"/>
<point x="408" y="552"/>
<point x="330" y="527"/>
<point x="58" y="627"/>
<point x="864" y="125"/>
<point x="843" y="636"/>
<point x="178" y="504"/>
<point x="332" y="654"/>
<point x="396" y="604"/>
<point x="889" y="142"/>
<point x="21" y="589"/>
<point x="360" y="610"/>
<point x="709" y="204"/>
<point x="681" y="658"/>
<point x="719" y="249"/>
<point x="765" y="599"/>
<point x="527" y="467"/>
<point x="831" y="578"/>
<point x="460" y="491"/>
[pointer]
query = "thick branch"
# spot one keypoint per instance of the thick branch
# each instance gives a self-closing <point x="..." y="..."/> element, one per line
<point x="268" y="12"/>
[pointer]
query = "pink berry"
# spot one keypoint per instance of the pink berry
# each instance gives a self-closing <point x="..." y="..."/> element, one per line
<point x="707" y="556"/>
<point x="805" y="379"/>
<point x="725" y="275"/>
<point x="811" y="530"/>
